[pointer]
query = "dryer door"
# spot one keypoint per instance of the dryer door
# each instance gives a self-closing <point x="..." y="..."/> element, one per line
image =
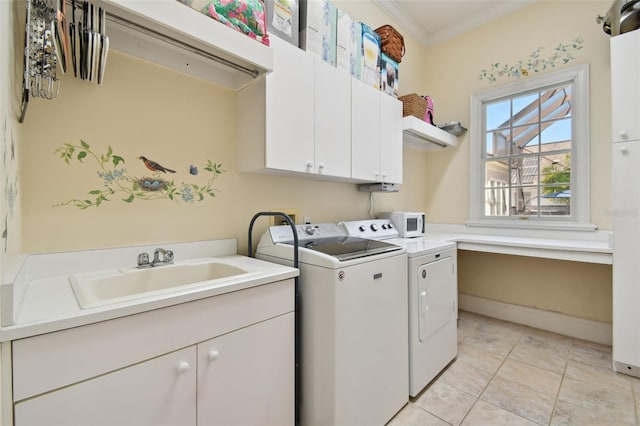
<point x="436" y="296"/>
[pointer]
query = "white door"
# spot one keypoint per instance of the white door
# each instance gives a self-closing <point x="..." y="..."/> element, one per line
<point x="365" y="132"/>
<point x="247" y="377"/>
<point x="289" y="110"/>
<point x="436" y="296"/>
<point x="390" y="139"/>
<point x="626" y="268"/>
<point x="625" y="86"/>
<point x="161" y="391"/>
<point x="332" y="120"/>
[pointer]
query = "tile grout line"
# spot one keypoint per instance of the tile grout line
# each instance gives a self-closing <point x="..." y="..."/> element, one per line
<point x="564" y="373"/>
<point x="489" y="382"/>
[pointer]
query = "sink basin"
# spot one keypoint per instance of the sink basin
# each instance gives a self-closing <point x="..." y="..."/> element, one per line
<point x="112" y="286"/>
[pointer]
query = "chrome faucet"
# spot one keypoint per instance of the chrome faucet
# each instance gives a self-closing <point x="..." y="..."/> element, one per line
<point x="167" y="257"/>
<point x="143" y="261"/>
<point x="160" y="257"/>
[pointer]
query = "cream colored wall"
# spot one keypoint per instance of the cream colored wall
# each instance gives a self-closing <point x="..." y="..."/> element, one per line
<point x="142" y="109"/>
<point x="577" y="289"/>
<point x="573" y="288"/>
<point x="453" y="73"/>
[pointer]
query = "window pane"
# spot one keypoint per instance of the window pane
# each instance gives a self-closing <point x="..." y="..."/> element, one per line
<point x="496" y="199"/>
<point x="555" y="201"/>
<point x="525" y="139"/>
<point x="497" y="115"/>
<point x="557" y="133"/>
<point x="556" y="103"/>
<point x="524" y="170"/>
<point x="496" y="171"/>
<point x="525" y="109"/>
<point x="524" y="201"/>
<point x="497" y="143"/>
<point x="556" y="169"/>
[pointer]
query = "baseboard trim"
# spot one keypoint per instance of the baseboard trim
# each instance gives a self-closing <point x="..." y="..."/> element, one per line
<point x="593" y="331"/>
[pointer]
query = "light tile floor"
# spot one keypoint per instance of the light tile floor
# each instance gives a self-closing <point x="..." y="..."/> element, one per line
<point x="509" y="374"/>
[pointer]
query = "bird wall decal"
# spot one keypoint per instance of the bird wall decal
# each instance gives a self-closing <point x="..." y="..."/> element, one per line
<point x="153" y="166"/>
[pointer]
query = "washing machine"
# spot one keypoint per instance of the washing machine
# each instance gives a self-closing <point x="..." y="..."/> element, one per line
<point x="432" y="298"/>
<point x="354" y="326"/>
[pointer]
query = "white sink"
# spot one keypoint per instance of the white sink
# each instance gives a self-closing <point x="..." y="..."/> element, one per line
<point x="94" y="289"/>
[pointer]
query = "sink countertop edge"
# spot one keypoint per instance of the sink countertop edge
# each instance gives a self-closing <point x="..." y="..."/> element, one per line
<point x="50" y="305"/>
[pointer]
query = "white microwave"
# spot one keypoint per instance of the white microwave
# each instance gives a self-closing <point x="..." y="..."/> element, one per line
<point x="408" y="224"/>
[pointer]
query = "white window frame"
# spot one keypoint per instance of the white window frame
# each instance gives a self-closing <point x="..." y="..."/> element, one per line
<point x="578" y="77"/>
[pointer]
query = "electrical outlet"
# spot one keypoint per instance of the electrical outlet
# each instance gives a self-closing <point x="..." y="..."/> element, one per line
<point x="277" y="220"/>
<point x="306" y="219"/>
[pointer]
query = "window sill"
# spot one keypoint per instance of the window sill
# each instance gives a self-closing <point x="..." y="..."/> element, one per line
<point x="533" y="224"/>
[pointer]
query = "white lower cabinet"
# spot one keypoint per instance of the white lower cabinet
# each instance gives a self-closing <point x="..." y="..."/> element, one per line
<point x="255" y="364"/>
<point x="224" y="360"/>
<point x="161" y="391"/>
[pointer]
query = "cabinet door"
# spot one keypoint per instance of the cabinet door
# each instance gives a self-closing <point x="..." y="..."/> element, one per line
<point x="247" y="377"/>
<point x="332" y="120"/>
<point x="626" y="268"/>
<point x="289" y="110"/>
<point x="161" y="391"/>
<point x="390" y="139"/>
<point x="365" y="132"/>
<point x="625" y="86"/>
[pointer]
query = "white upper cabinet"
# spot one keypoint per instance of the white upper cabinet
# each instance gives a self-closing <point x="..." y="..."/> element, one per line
<point x="309" y="117"/>
<point x="275" y="120"/>
<point x="625" y="87"/>
<point x="332" y="121"/>
<point x="376" y="135"/>
<point x="169" y="33"/>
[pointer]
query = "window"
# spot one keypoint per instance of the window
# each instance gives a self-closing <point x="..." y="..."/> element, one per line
<point x="530" y="153"/>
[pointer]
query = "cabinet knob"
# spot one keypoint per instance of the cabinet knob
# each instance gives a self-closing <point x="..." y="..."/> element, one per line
<point x="309" y="166"/>
<point x="624" y="150"/>
<point x="320" y="168"/>
<point x="624" y="134"/>
<point x="213" y="355"/>
<point x="183" y="367"/>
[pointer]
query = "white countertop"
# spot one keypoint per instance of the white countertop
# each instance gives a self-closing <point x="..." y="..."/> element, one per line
<point x="49" y="304"/>
<point x="580" y="247"/>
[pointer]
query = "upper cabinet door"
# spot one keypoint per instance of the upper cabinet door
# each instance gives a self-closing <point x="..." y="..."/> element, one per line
<point x="625" y="86"/>
<point x="332" y="120"/>
<point x="289" y="109"/>
<point x="365" y="132"/>
<point x="390" y="139"/>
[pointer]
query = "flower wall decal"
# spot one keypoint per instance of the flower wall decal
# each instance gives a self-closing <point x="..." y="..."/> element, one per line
<point x="117" y="182"/>
<point x="561" y="54"/>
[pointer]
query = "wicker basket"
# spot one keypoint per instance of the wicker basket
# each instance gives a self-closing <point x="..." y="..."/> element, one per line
<point x="413" y="104"/>
<point x="391" y="42"/>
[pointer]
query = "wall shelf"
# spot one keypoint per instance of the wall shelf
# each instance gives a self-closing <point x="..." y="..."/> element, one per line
<point x="422" y="135"/>
<point x="168" y="33"/>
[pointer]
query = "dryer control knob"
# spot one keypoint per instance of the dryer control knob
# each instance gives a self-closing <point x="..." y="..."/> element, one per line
<point x="362" y="228"/>
<point x="309" y="230"/>
<point x="374" y="227"/>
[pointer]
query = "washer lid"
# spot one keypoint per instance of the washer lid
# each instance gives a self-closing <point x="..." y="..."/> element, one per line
<point x="347" y="248"/>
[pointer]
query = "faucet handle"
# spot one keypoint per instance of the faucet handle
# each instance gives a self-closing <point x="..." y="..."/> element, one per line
<point x="168" y="256"/>
<point x="143" y="260"/>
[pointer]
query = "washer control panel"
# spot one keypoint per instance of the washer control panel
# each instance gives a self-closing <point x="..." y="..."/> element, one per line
<point x="284" y="234"/>
<point x="375" y="229"/>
